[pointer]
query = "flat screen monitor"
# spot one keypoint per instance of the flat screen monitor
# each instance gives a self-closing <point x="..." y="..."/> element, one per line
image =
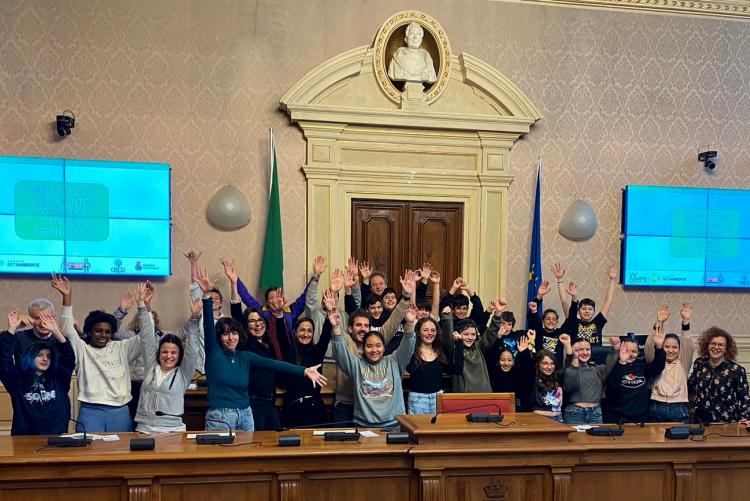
<point x="685" y="237"/>
<point x="85" y="217"/>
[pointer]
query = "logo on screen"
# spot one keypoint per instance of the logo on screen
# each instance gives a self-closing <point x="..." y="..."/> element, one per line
<point x="118" y="267"/>
<point x="138" y="266"/>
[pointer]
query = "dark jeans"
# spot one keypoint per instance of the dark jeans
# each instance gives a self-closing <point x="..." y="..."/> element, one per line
<point x="307" y="411"/>
<point x="664" y="412"/>
<point x="265" y="414"/>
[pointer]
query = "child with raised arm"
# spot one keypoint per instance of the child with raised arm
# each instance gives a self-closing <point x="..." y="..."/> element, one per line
<point x="38" y="384"/>
<point x="583" y="382"/>
<point x="378" y="393"/>
<point x="588" y="325"/>
<point x="669" y="393"/>
<point x="229" y="371"/>
<point x="627" y="384"/>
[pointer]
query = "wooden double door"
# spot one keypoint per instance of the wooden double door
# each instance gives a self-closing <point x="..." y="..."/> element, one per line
<point x="393" y="235"/>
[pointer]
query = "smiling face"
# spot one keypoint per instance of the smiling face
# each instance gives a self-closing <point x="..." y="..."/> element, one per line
<point x="586" y="312"/>
<point x="550" y="321"/>
<point x="216" y="301"/>
<point x="583" y="349"/>
<point x="389" y="300"/>
<point x="101" y="334"/>
<point x="275" y="300"/>
<point x="468" y="336"/>
<point x="374" y="348"/>
<point x="375" y="310"/>
<point x="546" y="366"/>
<point x="461" y="311"/>
<point x="255" y="325"/>
<point x="42" y="361"/>
<point x="304" y="332"/>
<point x="506" y="361"/>
<point x="377" y="284"/>
<point x="717" y="349"/>
<point x="427" y="332"/>
<point x="671" y="349"/>
<point x="169" y="355"/>
<point x="230" y="340"/>
<point x="360" y="326"/>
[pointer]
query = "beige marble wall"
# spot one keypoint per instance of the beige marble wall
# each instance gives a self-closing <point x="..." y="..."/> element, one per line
<point x="626" y="98"/>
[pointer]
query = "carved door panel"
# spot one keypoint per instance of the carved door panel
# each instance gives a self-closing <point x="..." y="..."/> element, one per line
<point x="395" y="235"/>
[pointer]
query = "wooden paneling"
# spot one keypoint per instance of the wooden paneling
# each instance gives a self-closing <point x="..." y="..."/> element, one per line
<point x="654" y="483"/>
<point x="63" y="491"/>
<point x="395" y="235"/>
<point x="362" y="486"/>
<point x="218" y="489"/>
<point x="718" y="482"/>
<point x="523" y="486"/>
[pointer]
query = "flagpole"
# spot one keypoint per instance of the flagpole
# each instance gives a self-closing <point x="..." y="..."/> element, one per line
<point x="270" y="159"/>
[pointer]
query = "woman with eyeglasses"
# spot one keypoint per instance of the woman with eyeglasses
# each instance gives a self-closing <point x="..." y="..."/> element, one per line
<point x="229" y="370"/>
<point x="718" y="385"/>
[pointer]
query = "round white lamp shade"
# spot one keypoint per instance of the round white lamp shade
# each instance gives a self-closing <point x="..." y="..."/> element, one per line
<point x="579" y="221"/>
<point x="228" y="209"/>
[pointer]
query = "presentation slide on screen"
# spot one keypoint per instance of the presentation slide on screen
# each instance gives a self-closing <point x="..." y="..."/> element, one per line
<point x="84" y="217"/>
<point x="687" y="237"/>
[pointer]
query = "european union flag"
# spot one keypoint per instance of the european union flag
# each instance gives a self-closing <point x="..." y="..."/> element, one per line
<point x="535" y="256"/>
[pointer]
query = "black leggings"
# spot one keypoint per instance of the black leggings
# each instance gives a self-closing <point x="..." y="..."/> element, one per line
<point x="265" y="415"/>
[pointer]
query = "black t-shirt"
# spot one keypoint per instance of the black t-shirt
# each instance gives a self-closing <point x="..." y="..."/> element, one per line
<point x="592" y="331"/>
<point x="426" y="377"/>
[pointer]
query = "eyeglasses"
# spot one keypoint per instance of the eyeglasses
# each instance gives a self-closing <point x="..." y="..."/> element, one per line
<point x="255" y="321"/>
<point x="717" y="345"/>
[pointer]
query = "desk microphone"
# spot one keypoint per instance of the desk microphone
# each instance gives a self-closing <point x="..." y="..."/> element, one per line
<point x="70" y="441"/>
<point x="207" y="438"/>
<point x="684" y="432"/>
<point x="606" y="431"/>
<point x="478" y="417"/>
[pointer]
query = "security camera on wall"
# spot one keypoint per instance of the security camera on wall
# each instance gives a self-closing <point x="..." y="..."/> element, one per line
<point x="707" y="159"/>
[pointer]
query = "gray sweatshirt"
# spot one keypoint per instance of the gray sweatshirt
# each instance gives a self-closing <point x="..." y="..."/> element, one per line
<point x="585" y="384"/>
<point x="378" y="394"/>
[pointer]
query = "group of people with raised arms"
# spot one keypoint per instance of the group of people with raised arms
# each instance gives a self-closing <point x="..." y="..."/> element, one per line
<point x="381" y="343"/>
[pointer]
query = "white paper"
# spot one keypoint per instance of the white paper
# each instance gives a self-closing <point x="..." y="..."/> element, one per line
<point x="582" y="427"/>
<point x="92" y="436"/>
<point x="320" y="433"/>
<point x="191" y="436"/>
<point x="368" y="434"/>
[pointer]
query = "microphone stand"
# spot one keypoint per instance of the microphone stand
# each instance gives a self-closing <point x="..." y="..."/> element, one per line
<point x="208" y="438"/>
<point x="478" y="417"/>
<point x="70" y="441"/>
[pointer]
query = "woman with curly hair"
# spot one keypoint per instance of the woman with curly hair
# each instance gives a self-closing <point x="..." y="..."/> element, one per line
<point x="718" y="385"/>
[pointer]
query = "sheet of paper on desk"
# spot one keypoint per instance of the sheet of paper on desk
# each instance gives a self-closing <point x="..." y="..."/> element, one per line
<point x="320" y="433"/>
<point x="105" y="438"/>
<point x="191" y="436"/>
<point x="368" y="434"/>
<point x="192" y="386"/>
<point x="582" y="427"/>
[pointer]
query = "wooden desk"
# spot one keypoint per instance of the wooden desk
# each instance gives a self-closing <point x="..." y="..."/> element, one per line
<point x="536" y="461"/>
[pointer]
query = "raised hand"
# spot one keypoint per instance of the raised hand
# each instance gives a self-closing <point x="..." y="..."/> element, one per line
<point x="658" y="335"/>
<point x="498" y="305"/>
<point x="319" y="265"/>
<point x="456" y="284"/>
<point x="572" y="289"/>
<point x="456" y="336"/>
<point x="686" y="312"/>
<point x="149" y="294"/>
<point x="408" y="282"/>
<point x="316" y="377"/>
<point x="196" y="309"/>
<point x="14" y="320"/>
<point x="337" y="280"/>
<point x="334" y="318"/>
<point x="523" y="343"/>
<point x="365" y="270"/>
<point x="615" y="342"/>
<point x="352" y="265"/>
<point x="435" y="277"/>
<point x="230" y="270"/>
<point x="203" y="281"/>
<point x="543" y="288"/>
<point x="612" y="272"/>
<point x="329" y="300"/>
<point x="662" y="313"/>
<point x="61" y="284"/>
<point x="424" y="271"/>
<point x="531" y="335"/>
<point x="504" y="329"/>
<point x="533" y="307"/>
<point x="564" y="339"/>
<point x="140" y="293"/>
<point x="350" y="279"/>
<point x="193" y="256"/>
<point x="126" y="300"/>
<point x="411" y="314"/>
<point x="558" y="271"/>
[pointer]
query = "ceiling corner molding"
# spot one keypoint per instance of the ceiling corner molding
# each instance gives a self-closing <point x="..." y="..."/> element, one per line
<point x="739" y="9"/>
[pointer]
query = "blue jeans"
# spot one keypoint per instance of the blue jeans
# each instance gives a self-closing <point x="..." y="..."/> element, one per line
<point x="583" y="415"/>
<point x="422" y="403"/>
<point x="217" y="419"/>
<point x="98" y="418"/>
<point x="664" y="412"/>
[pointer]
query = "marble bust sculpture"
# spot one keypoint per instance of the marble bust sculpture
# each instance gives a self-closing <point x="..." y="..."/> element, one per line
<point x="412" y="63"/>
